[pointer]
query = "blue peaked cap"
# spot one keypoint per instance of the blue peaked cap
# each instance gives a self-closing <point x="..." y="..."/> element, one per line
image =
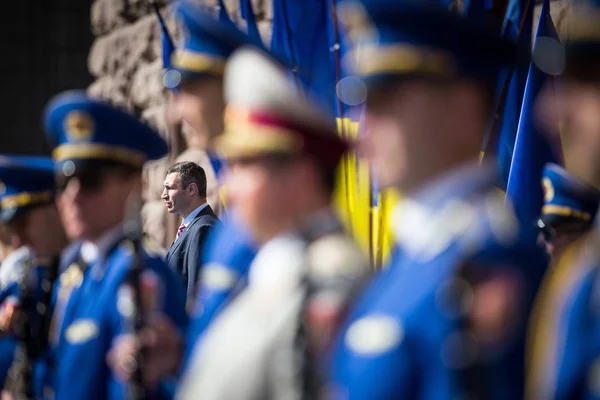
<point x="567" y="198"/>
<point x="25" y="182"/>
<point x="400" y="38"/>
<point x="206" y="45"/>
<point x="80" y="128"/>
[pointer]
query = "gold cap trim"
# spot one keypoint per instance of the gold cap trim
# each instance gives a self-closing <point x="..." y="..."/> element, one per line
<point x="565" y="212"/>
<point x="197" y="62"/>
<point x="25" y="199"/>
<point x="99" y="151"/>
<point x="400" y="59"/>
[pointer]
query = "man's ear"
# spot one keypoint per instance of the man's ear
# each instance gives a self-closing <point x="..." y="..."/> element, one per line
<point x="192" y="188"/>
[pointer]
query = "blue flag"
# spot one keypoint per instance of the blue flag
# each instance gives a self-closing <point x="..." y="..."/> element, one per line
<point x="248" y="15"/>
<point x="509" y="106"/>
<point x="532" y="148"/>
<point x="168" y="47"/>
<point x="223" y="16"/>
<point x="300" y="36"/>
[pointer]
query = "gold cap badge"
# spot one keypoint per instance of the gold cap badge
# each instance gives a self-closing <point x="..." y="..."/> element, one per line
<point x="548" y="189"/>
<point x="79" y="126"/>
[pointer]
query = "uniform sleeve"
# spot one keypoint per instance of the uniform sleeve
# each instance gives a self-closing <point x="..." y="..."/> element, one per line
<point x="171" y="302"/>
<point x="216" y="290"/>
<point x="226" y="258"/>
<point x="8" y="346"/>
<point x="12" y="289"/>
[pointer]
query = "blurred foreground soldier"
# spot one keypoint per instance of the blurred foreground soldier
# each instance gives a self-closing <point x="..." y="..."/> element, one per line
<point x="196" y="80"/>
<point x="448" y="320"/>
<point x="30" y="215"/>
<point x="15" y="256"/>
<point x="564" y="358"/>
<point x="271" y="340"/>
<point x="184" y="194"/>
<point x="99" y="153"/>
<point x="570" y="206"/>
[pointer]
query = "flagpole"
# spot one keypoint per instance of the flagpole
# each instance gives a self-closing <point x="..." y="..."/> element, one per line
<point x="157" y="11"/>
<point x="559" y="129"/>
<point x="504" y="94"/>
<point x="338" y="77"/>
<point x="380" y="234"/>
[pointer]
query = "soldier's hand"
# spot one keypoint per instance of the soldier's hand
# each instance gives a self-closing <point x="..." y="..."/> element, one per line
<point x="121" y="357"/>
<point x="6" y="395"/>
<point x="162" y="349"/>
<point x="164" y="344"/>
<point x="497" y="304"/>
<point x="8" y="315"/>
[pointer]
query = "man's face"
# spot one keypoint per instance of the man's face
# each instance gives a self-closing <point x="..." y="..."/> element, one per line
<point x="40" y="229"/>
<point x="403" y="132"/>
<point x="199" y="103"/>
<point x="574" y="106"/>
<point x="95" y="201"/>
<point x="174" y="194"/>
<point x="262" y="194"/>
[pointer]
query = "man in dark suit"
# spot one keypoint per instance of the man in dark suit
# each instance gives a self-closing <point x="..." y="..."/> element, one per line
<point x="184" y="194"/>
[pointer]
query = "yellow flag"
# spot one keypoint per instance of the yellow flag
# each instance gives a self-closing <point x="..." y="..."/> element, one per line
<point x="369" y="225"/>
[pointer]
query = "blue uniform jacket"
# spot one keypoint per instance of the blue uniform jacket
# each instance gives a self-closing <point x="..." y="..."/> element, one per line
<point x="564" y="340"/>
<point x="8" y="344"/>
<point x="407" y="337"/>
<point x="228" y="253"/>
<point x="87" y="318"/>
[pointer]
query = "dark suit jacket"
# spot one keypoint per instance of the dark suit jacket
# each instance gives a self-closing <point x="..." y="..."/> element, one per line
<point x="184" y="253"/>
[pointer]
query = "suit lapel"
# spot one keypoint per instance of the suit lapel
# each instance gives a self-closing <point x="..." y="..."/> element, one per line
<point x="176" y="243"/>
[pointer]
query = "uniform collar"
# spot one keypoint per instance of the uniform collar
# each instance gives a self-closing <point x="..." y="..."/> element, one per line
<point x="92" y="252"/>
<point x="190" y="217"/>
<point x="412" y="216"/>
<point x="461" y="181"/>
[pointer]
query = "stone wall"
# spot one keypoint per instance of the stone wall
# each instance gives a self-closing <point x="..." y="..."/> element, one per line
<point x="125" y="60"/>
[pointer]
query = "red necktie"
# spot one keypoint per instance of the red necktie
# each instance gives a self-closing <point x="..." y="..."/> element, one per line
<point x="180" y="230"/>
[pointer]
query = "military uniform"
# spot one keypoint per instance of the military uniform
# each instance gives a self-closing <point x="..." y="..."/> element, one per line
<point x="230" y="249"/>
<point x="229" y="252"/>
<point x="271" y="338"/>
<point x="93" y="298"/>
<point x="563" y="353"/>
<point x="564" y="336"/>
<point x="10" y="269"/>
<point x="408" y="335"/>
<point x="416" y="330"/>
<point x="25" y="281"/>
